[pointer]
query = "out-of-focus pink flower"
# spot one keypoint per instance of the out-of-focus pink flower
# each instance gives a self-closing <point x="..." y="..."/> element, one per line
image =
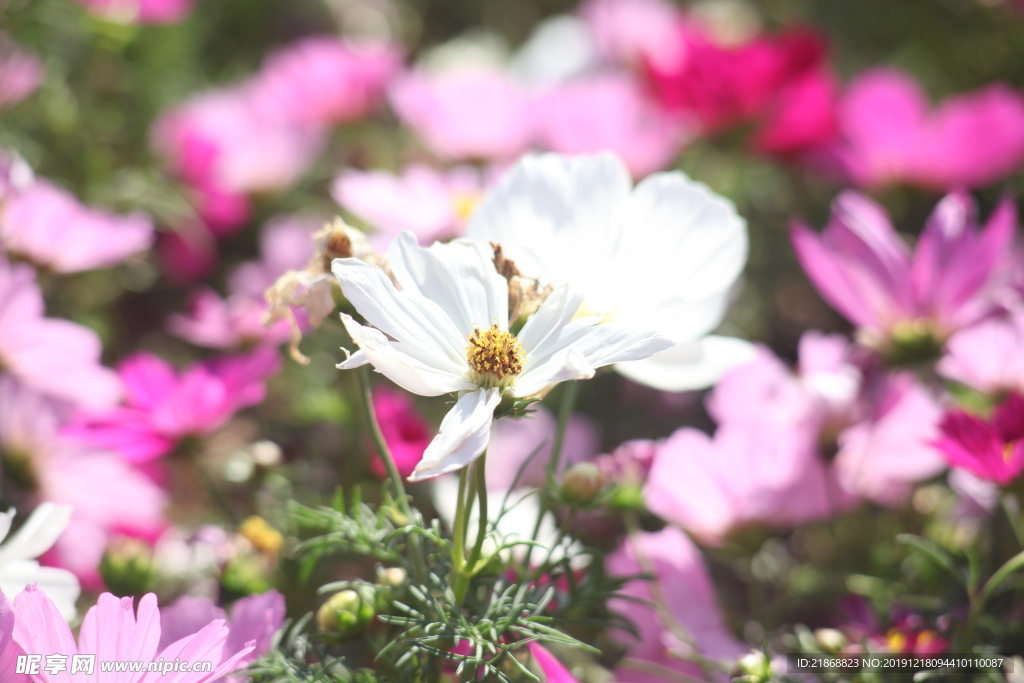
<point x="188" y="253"/>
<point x="865" y="271"/>
<point x="609" y="112"/>
<point x="513" y="441"/>
<point x="988" y="356"/>
<point x="992" y="449"/>
<point x="406" y="432"/>
<point x="889" y="134"/>
<point x="286" y="243"/>
<point x="465" y="113"/>
<point x="48" y="226"/>
<point x="635" y="32"/>
<point x="16" y="175"/>
<point x="55" y="357"/>
<point x="162" y="406"/>
<point x="112" y="631"/>
<point x="434" y="205"/>
<point x="907" y="634"/>
<point x="141" y="11"/>
<point x="685" y="590"/>
<point x="9" y="650"/>
<point x="254" y="619"/>
<point x="554" y="671"/>
<point x="327" y="80"/>
<point x="723" y="85"/>
<point x="218" y="323"/>
<point x="742" y="476"/>
<point x="108" y="496"/>
<point x="801" y="117"/>
<point x="629" y="463"/>
<point x="20" y="73"/>
<point x="225" y="143"/>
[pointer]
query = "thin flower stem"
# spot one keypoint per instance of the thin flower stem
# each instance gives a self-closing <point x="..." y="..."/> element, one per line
<point x="565" y="408"/>
<point x="381" y="444"/>
<point x="459" y="527"/>
<point x="479" y="474"/>
<point x="472" y="485"/>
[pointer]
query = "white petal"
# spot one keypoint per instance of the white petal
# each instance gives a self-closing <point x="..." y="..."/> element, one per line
<point x="460" y="277"/>
<point x="390" y="360"/>
<point x="60" y="585"/>
<point x="38" y="534"/>
<point x="464" y="434"/>
<point x="557" y="217"/>
<point x="549" y="328"/>
<point x="5" y="523"/>
<point x="690" y="366"/>
<point x="568" y="364"/>
<point x="678" y="318"/>
<point x="404" y="316"/>
<point x="612" y="343"/>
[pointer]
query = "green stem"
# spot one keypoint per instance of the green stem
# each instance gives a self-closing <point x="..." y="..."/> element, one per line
<point x="472" y="484"/>
<point x="481" y="530"/>
<point x="459" y="527"/>
<point x="565" y="408"/>
<point x="395" y="477"/>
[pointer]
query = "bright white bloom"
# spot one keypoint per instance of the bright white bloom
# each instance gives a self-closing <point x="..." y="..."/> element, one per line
<point x="446" y="330"/>
<point x="661" y="256"/>
<point x="18" y="566"/>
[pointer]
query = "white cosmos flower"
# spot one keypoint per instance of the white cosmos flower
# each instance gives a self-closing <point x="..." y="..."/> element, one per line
<point x="446" y="330"/>
<point x="18" y="566"/>
<point x="661" y="256"/>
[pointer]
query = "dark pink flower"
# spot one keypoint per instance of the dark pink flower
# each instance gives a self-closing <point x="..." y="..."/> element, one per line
<point x="888" y="133"/>
<point x="163" y="407"/>
<point x="405" y="431"/>
<point x="327" y="80"/>
<point x="141" y="11"/>
<point x="862" y="267"/>
<point x="554" y="671"/>
<point x="48" y="226"/>
<point x="991" y="449"/>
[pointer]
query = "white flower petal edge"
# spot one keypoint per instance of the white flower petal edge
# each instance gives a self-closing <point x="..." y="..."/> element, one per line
<point x="690" y="366"/>
<point x="464" y="434"/>
<point x="18" y="567"/>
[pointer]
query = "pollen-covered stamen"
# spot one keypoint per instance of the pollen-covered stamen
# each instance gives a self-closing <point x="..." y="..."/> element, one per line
<point x="494" y="354"/>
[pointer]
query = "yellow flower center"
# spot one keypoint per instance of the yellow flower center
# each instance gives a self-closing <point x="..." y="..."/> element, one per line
<point x="494" y="354"/>
<point x="464" y="204"/>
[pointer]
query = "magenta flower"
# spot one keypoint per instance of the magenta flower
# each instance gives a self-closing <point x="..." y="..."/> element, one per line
<point x="21" y="73"/>
<point x="889" y="134"/>
<point x="47" y="225"/>
<point x="685" y="590"/>
<point x="991" y="449"/>
<point x="405" y="431"/>
<point x="254" y="619"/>
<point x="609" y="112"/>
<point x="865" y="271"/>
<point x="162" y="407"/>
<point x="113" y="632"/>
<point x="141" y="11"/>
<point x="554" y="671"/>
<point x="465" y="114"/>
<point x="108" y="496"/>
<point x="634" y="32"/>
<point x="327" y="80"/>
<point x="988" y="356"/>
<point x="55" y="357"/>
<point x="433" y="205"/>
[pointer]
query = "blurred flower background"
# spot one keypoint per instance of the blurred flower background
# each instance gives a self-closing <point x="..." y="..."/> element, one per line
<point x="813" y="204"/>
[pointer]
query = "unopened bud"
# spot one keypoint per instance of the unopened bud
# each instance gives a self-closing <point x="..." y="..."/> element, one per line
<point x="830" y="639"/>
<point x="346" y="613"/>
<point x="755" y="666"/>
<point x="127" y="567"/>
<point x="392" y="577"/>
<point x="582" y="484"/>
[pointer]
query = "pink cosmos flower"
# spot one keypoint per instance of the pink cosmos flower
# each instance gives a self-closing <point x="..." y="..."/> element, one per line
<point x="141" y="11"/>
<point x="113" y="632"/>
<point x="609" y="112"/>
<point x="635" y="32"/>
<point x="48" y="226"/>
<point x="254" y="619"/>
<point x="685" y="591"/>
<point x="726" y="85"/>
<point x="889" y="134"/>
<point x="465" y="114"/>
<point x="108" y="496"/>
<point x="865" y="271"/>
<point x="286" y="243"/>
<point x="405" y="431"/>
<point x="16" y="175"/>
<point x="991" y="449"/>
<point x="162" y="407"/>
<point x="988" y="356"/>
<point x="187" y="253"/>
<point x="801" y="117"/>
<point x="53" y="356"/>
<point x="20" y="73"/>
<point x="554" y="671"/>
<point x="225" y="143"/>
<point x="434" y="205"/>
<point x="327" y="80"/>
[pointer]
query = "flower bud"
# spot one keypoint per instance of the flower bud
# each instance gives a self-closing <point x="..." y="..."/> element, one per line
<point x="346" y="613"/>
<point x="830" y="639"/>
<point x="392" y="577"/>
<point x="582" y="484"/>
<point x="127" y="567"/>
<point x="755" y="667"/>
